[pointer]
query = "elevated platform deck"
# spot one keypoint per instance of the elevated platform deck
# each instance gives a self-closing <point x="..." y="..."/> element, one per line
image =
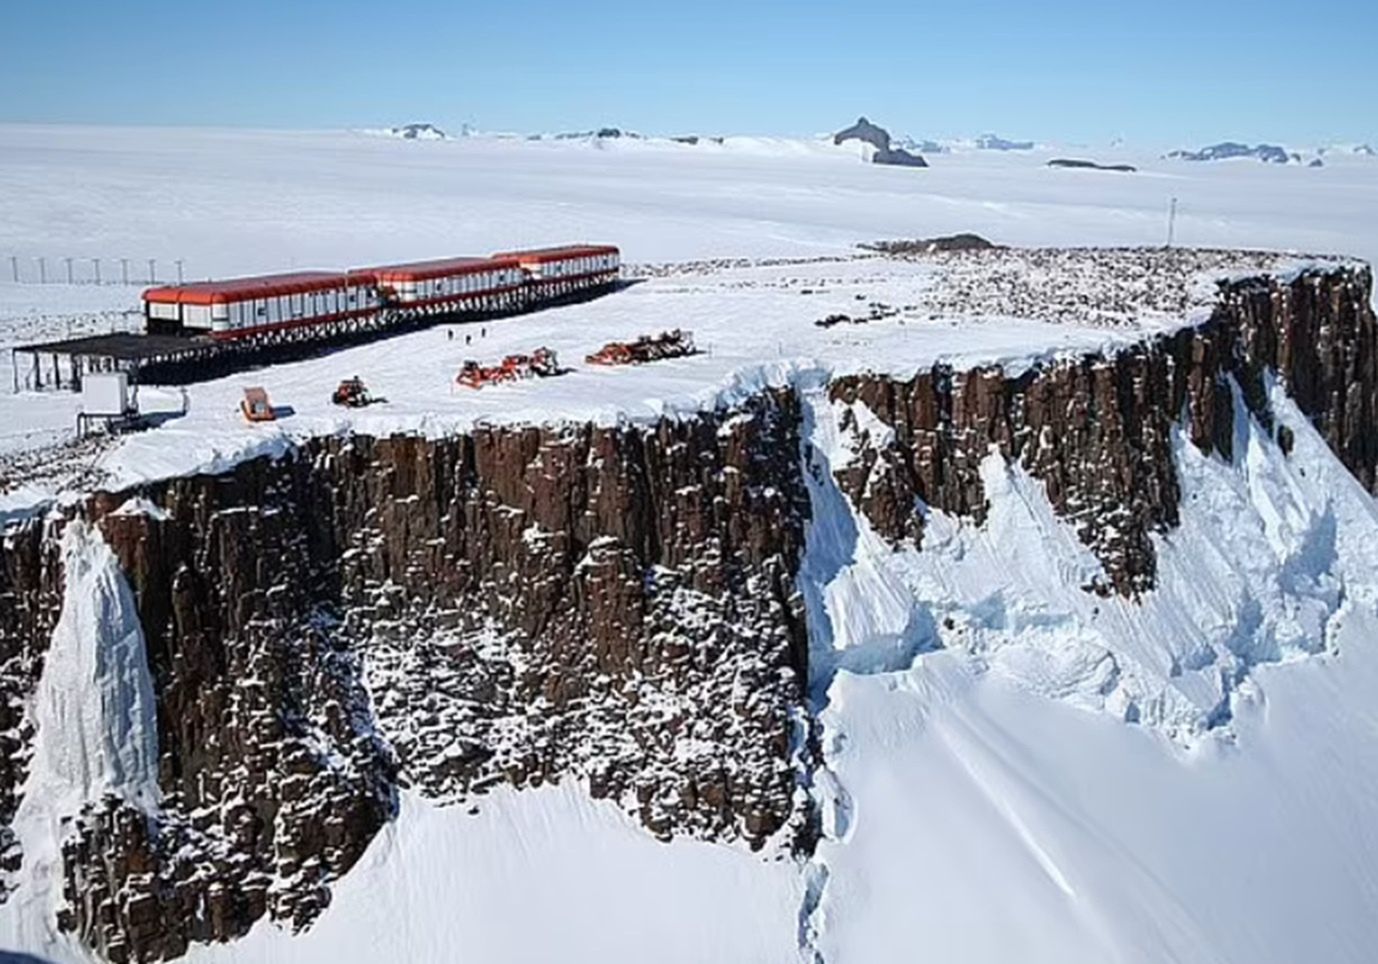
<point x="117" y="351"/>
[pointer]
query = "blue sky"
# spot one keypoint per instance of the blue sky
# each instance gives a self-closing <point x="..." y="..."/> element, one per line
<point x="1162" y="73"/>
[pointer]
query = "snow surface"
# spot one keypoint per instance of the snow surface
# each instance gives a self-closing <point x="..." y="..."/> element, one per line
<point x="1071" y="778"/>
<point x="228" y="202"/>
<point x="753" y="325"/>
<point x="540" y="875"/>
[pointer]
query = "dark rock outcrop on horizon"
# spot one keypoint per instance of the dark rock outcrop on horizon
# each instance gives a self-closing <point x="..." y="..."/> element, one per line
<point x="879" y="138"/>
<point x="991" y="142"/>
<point x="600" y="134"/>
<point x="1080" y="164"/>
<point x="419" y="132"/>
<point x="1225" y="150"/>
<point x="949" y="242"/>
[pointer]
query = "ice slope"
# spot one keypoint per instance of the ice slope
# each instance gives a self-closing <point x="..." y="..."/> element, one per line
<point x="990" y="824"/>
<point x="1072" y="778"/>
<point x="96" y="732"/>
<point x="540" y="875"/>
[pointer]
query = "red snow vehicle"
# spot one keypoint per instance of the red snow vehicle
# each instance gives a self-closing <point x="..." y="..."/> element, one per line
<point x="352" y="393"/>
<point x="540" y="363"/>
<point x="647" y="348"/>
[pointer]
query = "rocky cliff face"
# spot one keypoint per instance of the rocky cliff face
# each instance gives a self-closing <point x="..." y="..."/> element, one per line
<point x="525" y="605"/>
<point x="615" y="605"/>
<point x="1097" y="430"/>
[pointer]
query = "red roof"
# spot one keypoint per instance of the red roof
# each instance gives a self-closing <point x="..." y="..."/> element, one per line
<point x="260" y="286"/>
<point x="438" y="268"/>
<point x="560" y="253"/>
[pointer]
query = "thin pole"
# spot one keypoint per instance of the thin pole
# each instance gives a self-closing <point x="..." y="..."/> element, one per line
<point x="179" y="270"/>
<point x="42" y="271"/>
<point x="96" y="263"/>
<point x="14" y="268"/>
<point x="1171" y="221"/>
<point x="69" y="269"/>
<point x="150" y="270"/>
<point x="124" y="271"/>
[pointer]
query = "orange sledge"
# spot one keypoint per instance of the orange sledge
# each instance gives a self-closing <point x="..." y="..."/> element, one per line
<point x="256" y="407"/>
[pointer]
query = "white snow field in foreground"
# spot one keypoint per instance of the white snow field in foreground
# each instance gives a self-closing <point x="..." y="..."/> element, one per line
<point x="1190" y="778"/>
<point x="540" y="875"/>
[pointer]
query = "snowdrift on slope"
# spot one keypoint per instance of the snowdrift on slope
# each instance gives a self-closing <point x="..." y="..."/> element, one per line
<point x="988" y="802"/>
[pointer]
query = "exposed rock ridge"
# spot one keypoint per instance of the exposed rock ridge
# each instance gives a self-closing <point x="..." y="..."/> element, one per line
<point x="1097" y="430"/>
<point x="525" y="605"/>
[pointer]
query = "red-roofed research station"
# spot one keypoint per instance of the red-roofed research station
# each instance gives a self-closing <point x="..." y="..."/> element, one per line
<point x="195" y="330"/>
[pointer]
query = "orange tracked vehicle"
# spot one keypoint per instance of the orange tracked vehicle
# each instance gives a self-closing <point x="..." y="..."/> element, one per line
<point x="647" y="348"/>
<point x="540" y="363"/>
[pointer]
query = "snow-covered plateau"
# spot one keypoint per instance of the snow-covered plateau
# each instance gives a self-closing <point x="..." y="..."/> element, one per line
<point x="1007" y="605"/>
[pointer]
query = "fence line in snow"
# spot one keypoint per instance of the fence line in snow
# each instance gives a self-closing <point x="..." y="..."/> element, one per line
<point x="69" y="269"/>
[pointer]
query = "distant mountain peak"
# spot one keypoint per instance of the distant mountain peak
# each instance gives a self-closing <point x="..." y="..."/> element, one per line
<point x="417" y="132"/>
<point x="598" y="134"/>
<point x="1227" y="150"/>
<point x="1357" y="150"/>
<point x="992" y="142"/>
<point x="863" y="130"/>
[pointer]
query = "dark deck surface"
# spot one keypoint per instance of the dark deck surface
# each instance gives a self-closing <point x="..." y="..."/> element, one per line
<point x="126" y="346"/>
